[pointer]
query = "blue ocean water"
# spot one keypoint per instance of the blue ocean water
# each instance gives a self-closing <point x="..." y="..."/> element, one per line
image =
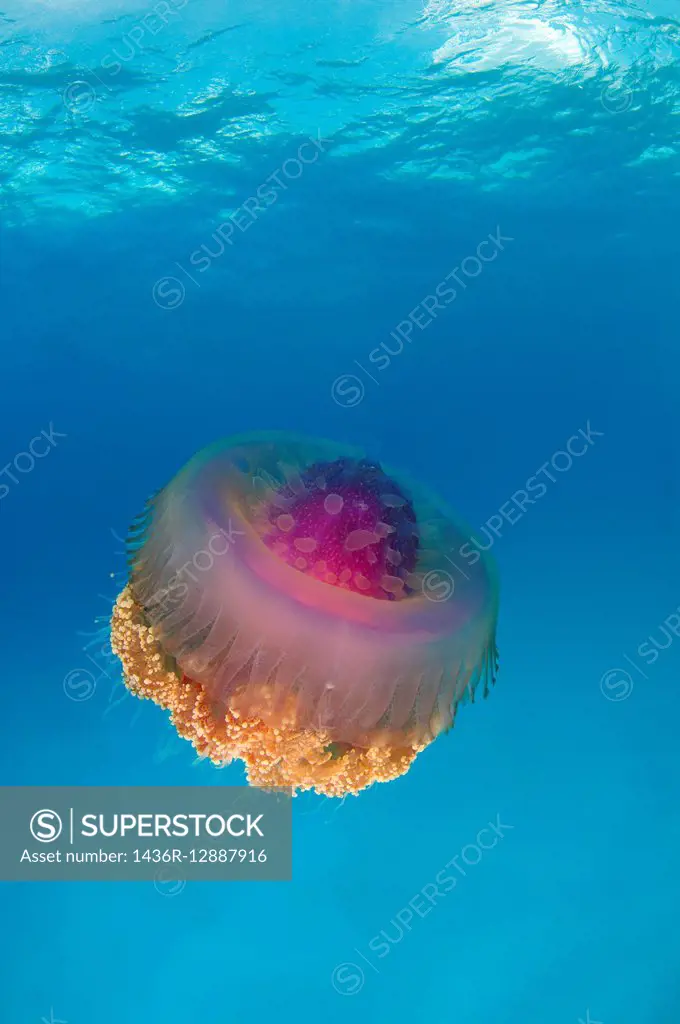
<point x="223" y="218"/>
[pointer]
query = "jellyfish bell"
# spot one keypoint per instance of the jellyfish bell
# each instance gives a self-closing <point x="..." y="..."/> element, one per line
<point x="299" y="607"/>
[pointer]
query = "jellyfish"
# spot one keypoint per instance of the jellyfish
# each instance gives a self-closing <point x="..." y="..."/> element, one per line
<point x="298" y="607"/>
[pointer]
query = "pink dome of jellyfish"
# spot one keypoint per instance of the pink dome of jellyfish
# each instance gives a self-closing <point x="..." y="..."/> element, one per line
<point x="292" y="604"/>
